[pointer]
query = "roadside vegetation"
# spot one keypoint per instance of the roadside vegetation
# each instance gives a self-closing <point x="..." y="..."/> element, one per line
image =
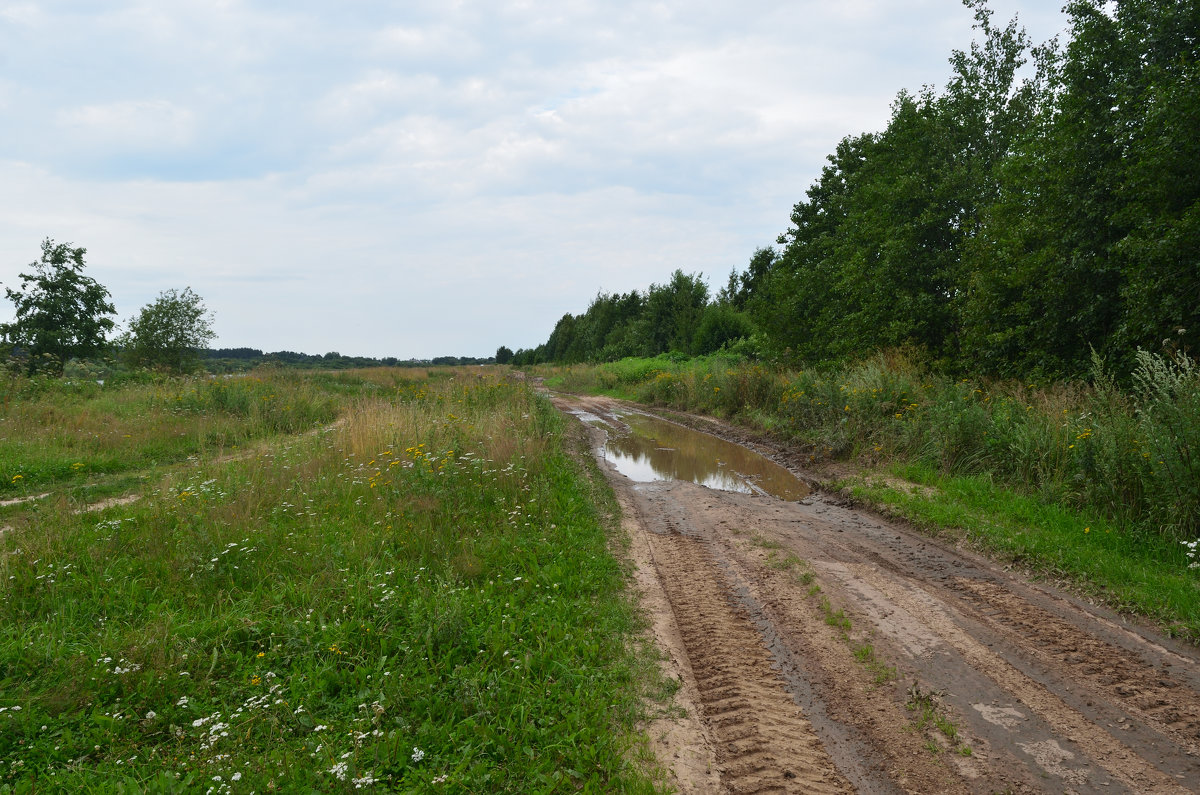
<point x="379" y="578"/>
<point x="1096" y="483"/>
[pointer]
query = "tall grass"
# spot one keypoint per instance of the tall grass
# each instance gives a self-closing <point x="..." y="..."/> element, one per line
<point x="55" y="432"/>
<point x="1129" y="454"/>
<point x="419" y="597"/>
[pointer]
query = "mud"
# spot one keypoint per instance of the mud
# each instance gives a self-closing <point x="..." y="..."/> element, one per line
<point x="770" y="610"/>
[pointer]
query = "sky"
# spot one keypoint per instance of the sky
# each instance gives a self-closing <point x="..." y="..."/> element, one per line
<point x="419" y="179"/>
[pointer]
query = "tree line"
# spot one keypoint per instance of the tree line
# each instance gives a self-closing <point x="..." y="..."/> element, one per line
<point x="229" y="360"/>
<point x="1044" y="204"/>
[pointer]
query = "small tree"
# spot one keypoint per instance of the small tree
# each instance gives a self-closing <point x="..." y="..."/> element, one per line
<point x="169" y="333"/>
<point x="60" y="313"/>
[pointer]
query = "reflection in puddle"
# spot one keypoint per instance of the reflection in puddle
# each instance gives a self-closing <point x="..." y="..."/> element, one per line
<point x="659" y="450"/>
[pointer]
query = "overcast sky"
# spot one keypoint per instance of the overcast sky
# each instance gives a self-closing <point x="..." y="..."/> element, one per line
<point x="417" y="179"/>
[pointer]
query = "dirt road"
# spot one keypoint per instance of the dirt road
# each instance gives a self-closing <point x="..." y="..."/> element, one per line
<point x="821" y="648"/>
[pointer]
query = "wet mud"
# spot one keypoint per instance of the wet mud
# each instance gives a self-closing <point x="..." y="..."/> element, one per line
<point x="769" y="608"/>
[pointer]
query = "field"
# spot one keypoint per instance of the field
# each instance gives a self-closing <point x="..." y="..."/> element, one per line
<point x="386" y="578"/>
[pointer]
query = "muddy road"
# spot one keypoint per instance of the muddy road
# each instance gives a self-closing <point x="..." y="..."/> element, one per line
<point x="823" y="649"/>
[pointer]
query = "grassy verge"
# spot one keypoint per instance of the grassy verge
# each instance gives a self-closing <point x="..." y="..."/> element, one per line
<point x="1140" y="572"/>
<point x="418" y="598"/>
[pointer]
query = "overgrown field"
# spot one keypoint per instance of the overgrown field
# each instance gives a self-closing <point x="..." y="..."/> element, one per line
<point x="402" y="584"/>
<point x="1092" y="481"/>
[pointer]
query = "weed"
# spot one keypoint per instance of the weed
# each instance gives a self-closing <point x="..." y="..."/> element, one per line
<point x="928" y="713"/>
<point x="835" y="618"/>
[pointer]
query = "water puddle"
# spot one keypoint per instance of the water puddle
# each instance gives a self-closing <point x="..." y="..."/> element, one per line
<point x="659" y="450"/>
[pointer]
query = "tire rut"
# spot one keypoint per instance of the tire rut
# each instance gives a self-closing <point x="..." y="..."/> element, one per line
<point x="1048" y="693"/>
<point x="764" y="743"/>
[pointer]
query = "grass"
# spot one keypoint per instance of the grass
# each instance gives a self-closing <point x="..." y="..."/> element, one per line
<point x="928" y="714"/>
<point x="63" y="434"/>
<point x="419" y="597"/>
<point x="1140" y="572"/>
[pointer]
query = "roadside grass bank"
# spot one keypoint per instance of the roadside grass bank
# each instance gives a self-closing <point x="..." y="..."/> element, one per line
<point x="1094" y="483"/>
<point x="420" y="597"/>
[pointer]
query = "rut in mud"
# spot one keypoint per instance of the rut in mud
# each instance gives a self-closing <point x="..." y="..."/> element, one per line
<point x="824" y="649"/>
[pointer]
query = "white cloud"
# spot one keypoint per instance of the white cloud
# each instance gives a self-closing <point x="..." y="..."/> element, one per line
<point x="131" y="124"/>
<point x="429" y="177"/>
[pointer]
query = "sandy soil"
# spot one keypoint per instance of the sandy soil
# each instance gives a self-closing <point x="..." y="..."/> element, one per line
<point x="1045" y="692"/>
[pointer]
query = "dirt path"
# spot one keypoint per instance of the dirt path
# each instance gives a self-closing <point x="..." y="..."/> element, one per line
<point x="820" y="646"/>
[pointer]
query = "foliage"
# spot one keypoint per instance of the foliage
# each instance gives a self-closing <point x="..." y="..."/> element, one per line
<point x="60" y="313"/>
<point x="169" y="333"/>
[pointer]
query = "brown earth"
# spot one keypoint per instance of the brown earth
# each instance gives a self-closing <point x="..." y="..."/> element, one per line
<point x="821" y="648"/>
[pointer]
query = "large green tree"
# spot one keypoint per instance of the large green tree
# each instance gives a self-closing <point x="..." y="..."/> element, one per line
<point x="1094" y="240"/>
<point x="169" y="332"/>
<point x="874" y="254"/>
<point x="59" y="312"/>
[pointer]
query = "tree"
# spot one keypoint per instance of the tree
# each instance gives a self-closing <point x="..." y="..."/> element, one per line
<point x="504" y="354"/>
<point x="60" y="313"/>
<point x="672" y="314"/>
<point x="169" y="332"/>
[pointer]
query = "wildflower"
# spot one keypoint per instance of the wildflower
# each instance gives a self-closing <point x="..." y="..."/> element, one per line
<point x="1087" y="529"/>
<point x="417" y="754"/>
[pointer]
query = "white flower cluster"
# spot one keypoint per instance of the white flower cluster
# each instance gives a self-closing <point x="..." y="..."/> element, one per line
<point x="1192" y="553"/>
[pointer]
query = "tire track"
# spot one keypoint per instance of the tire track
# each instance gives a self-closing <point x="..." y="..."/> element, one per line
<point x="1149" y="693"/>
<point x="764" y="743"/>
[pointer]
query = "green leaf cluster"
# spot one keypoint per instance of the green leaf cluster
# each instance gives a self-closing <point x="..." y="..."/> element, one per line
<point x="169" y="333"/>
<point x="60" y="312"/>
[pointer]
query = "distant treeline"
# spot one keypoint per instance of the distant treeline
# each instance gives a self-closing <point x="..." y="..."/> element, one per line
<point x="1007" y="225"/>
<point x="224" y="360"/>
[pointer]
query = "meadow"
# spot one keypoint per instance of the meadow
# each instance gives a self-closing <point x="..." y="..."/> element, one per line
<point x="384" y="579"/>
<point x="1096" y="483"/>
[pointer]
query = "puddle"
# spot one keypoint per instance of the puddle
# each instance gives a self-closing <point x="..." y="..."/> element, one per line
<point x="659" y="450"/>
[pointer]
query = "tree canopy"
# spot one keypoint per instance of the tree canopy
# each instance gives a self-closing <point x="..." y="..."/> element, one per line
<point x="169" y="333"/>
<point x="60" y="312"/>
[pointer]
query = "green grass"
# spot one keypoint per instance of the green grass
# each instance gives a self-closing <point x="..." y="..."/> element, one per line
<point x="1137" y="571"/>
<point x="422" y="597"/>
<point x="928" y="714"/>
<point x="68" y="434"/>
